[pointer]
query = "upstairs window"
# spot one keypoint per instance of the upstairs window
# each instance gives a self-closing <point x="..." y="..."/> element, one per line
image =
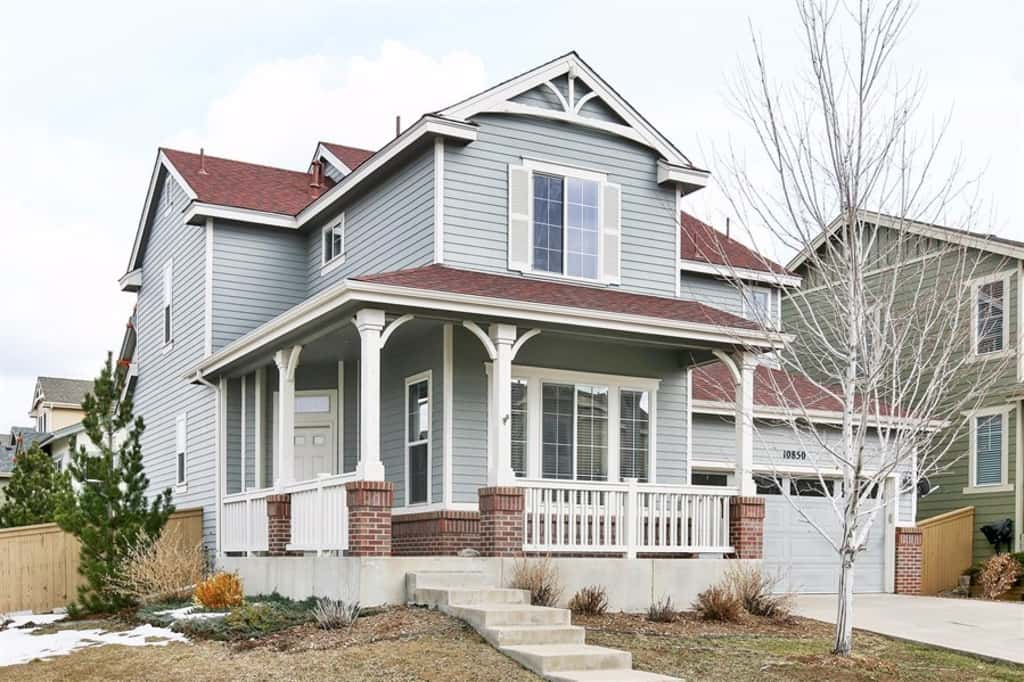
<point x="168" y="281"/>
<point x="757" y="306"/>
<point x="990" y="326"/>
<point x="333" y="243"/>
<point x="180" y="449"/>
<point x="565" y="225"/>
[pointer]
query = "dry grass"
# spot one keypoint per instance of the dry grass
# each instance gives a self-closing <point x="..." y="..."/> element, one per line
<point x="591" y="600"/>
<point x="719" y="603"/>
<point x="161" y="570"/>
<point x="220" y="591"/>
<point x="756" y="591"/>
<point x="662" y="611"/>
<point x="540" y="577"/>
<point x="998" y="575"/>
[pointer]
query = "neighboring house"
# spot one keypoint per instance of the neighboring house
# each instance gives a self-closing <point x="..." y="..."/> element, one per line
<point x="6" y="466"/>
<point x="988" y="470"/>
<point x="502" y="302"/>
<point x="57" y="402"/>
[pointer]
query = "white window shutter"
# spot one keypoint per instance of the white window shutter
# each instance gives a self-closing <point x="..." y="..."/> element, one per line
<point x="611" y="234"/>
<point x="518" y="218"/>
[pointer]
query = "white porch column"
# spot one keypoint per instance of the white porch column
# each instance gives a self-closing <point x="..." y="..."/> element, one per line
<point x="369" y="322"/>
<point x="287" y="360"/>
<point x="745" y="364"/>
<point x="499" y="469"/>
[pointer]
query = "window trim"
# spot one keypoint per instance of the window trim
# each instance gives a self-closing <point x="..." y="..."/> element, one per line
<point x="181" y="452"/>
<point x="565" y="172"/>
<point x="535" y="378"/>
<point x="337" y="259"/>
<point x="409" y="381"/>
<point x="972" y="488"/>
<point x="773" y="316"/>
<point x="167" y="307"/>
<point x="976" y="284"/>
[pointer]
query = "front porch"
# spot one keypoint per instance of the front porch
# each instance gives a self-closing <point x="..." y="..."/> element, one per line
<point x="376" y="430"/>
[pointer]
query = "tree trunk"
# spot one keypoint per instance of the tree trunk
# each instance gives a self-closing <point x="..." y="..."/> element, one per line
<point x="843" y="643"/>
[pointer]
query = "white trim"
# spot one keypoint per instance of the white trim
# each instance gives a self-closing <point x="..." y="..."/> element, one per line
<point x="131" y="280"/>
<point x="167" y="306"/>
<point x="564" y="171"/>
<point x="420" y="377"/>
<point x="181" y="448"/>
<point x="679" y="239"/>
<point x="448" y="405"/>
<point x="337" y="259"/>
<point x="323" y="152"/>
<point x="728" y="409"/>
<point x="975" y="241"/>
<point x="439" y="200"/>
<point x="731" y="272"/>
<point x="208" y="291"/>
<point x="681" y="175"/>
<point x="689" y="421"/>
<point x="975" y="285"/>
<point x="241" y="434"/>
<point x="339" y="448"/>
<point x="261" y="382"/>
<point x="220" y="447"/>
<point x="774" y="312"/>
<point x="435" y="506"/>
<point x="1004" y="485"/>
<point x="496" y="99"/>
<point x="354" y="291"/>
<point x="198" y="211"/>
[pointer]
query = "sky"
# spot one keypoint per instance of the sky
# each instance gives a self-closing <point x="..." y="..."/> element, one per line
<point x="88" y="91"/>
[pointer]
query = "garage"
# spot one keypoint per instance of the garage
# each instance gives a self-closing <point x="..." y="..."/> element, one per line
<point x="796" y="552"/>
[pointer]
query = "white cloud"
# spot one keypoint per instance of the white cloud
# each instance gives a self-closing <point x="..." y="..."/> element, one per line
<point x="278" y="110"/>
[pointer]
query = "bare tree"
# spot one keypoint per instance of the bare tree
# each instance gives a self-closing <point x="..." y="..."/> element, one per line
<point x="883" y="322"/>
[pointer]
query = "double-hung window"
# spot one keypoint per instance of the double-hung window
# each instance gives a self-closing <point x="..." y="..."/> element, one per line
<point x="988" y="450"/>
<point x="757" y="306"/>
<point x="168" y="282"/>
<point x="575" y="432"/>
<point x="332" y="239"/>
<point x="990" y="328"/>
<point x="417" y="439"/>
<point x="180" y="448"/>
<point x="520" y="425"/>
<point x="634" y="433"/>
<point x="565" y="225"/>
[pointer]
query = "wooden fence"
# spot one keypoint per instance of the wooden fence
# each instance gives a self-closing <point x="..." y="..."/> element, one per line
<point x="39" y="564"/>
<point x="948" y="549"/>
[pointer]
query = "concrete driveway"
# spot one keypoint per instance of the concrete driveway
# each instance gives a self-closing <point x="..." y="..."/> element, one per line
<point x="991" y="629"/>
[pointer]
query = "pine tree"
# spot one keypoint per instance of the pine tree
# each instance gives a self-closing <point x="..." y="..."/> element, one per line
<point x="110" y="513"/>
<point x="37" y="490"/>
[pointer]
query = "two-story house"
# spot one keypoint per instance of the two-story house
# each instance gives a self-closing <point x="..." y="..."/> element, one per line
<point x="983" y="468"/>
<point x="483" y="335"/>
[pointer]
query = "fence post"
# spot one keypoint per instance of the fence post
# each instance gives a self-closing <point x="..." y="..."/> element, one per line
<point x="631" y="518"/>
<point x="248" y="525"/>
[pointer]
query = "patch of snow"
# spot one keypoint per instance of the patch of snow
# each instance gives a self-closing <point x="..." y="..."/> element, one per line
<point x="20" y="645"/>
<point x="186" y="613"/>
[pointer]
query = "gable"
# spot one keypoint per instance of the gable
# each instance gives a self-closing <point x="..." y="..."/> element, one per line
<point x="567" y="89"/>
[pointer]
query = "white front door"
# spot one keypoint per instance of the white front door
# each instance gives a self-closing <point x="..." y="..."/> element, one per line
<point x="313" y="452"/>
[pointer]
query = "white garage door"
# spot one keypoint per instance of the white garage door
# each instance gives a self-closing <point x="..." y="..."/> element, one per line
<point x="796" y="552"/>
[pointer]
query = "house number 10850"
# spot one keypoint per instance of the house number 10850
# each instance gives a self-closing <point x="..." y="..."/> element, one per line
<point x="794" y="454"/>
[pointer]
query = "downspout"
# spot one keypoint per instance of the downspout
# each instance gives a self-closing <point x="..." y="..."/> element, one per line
<point x="200" y="379"/>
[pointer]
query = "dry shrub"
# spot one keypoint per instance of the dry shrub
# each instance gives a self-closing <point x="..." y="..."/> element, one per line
<point x="165" y="569"/>
<point x="719" y="603"/>
<point x="334" y="614"/>
<point x="590" y="601"/>
<point x="662" y="611"/>
<point x="219" y="591"/>
<point x="540" y="577"/>
<point x="998" y="575"/>
<point x="755" y="590"/>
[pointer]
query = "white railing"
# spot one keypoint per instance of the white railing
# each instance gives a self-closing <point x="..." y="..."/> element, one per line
<point x="244" y="523"/>
<point x="624" y="518"/>
<point x="320" y="514"/>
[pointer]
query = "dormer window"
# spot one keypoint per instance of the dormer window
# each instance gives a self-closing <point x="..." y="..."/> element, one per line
<point x="333" y="244"/>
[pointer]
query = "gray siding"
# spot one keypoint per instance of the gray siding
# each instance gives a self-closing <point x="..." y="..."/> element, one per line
<point x="249" y="431"/>
<point x="390" y="228"/>
<point x="258" y="273"/>
<point x="713" y="291"/>
<point x="470" y="399"/>
<point x="350" y="406"/>
<point x="476" y="195"/>
<point x="414" y="349"/>
<point x="161" y="393"/>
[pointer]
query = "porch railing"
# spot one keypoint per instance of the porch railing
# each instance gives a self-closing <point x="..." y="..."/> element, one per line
<point x="626" y="518"/>
<point x="320" y="514"/>
<point x="244" y="527"/>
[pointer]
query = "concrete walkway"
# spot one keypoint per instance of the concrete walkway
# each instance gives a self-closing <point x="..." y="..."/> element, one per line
<point x="991" y="629"/>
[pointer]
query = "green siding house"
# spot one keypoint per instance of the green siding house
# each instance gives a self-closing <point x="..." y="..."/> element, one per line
<point x="985" y="469"/>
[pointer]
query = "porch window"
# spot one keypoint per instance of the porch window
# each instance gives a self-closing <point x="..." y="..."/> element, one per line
<point x="417" y="438"/>
<point x="634" y="434"/>
<point x="575" y="432"/>
<point x="520" y="434"/>
<point x="565" y="225"/>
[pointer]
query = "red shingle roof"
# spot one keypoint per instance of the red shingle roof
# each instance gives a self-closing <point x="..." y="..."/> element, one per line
<point x="246" y="185"/>
<point x="350" y="156"/>
<point x="453" y="280"/>
<point x="772" y="388"/>
<point x="701" y="242"/>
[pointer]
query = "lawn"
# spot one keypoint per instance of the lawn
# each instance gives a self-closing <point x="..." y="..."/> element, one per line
<point x="415" y="644"/>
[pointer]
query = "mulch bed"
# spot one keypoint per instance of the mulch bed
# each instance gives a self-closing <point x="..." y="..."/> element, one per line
<point x="689" y="625"/>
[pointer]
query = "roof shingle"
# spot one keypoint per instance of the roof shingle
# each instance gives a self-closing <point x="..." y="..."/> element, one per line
<point x="472" y="283"/>
<point x="350" y="156"/>
<point x="61" y="390"/>
<point x="701" y="242"/>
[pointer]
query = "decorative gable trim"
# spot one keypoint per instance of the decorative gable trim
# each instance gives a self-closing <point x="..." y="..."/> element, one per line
<point x="637" y="128"/>
<point x="322" y="152"/>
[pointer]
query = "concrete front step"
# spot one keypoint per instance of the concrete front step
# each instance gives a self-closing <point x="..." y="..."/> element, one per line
<point x="608" y="676"/>
<point x="494" y="615"/>
<point x="514" y="635"/>
<point x="446" y="580"/>
<point x="440" y="596"/>
<point x="551" y="658"/>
